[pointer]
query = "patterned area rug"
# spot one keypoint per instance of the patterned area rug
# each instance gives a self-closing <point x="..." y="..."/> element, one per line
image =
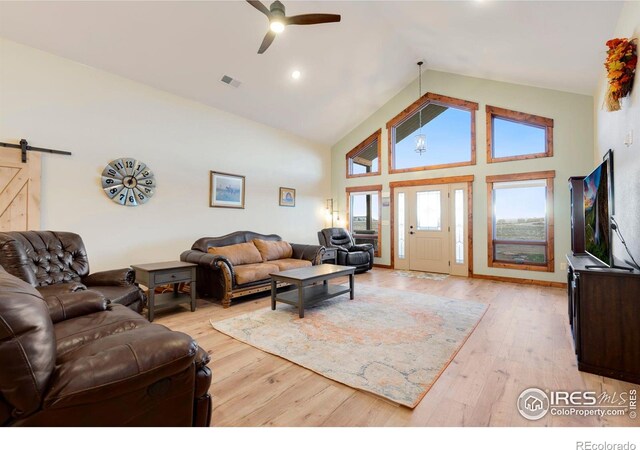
<point x="392" y="343"/>
<point x="421" y="275"/>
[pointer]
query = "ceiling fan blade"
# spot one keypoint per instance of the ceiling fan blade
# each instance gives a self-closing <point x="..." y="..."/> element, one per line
<point x="266" y="42"/>
<point x="312" y="19"/>
<point x="260" y="7"/>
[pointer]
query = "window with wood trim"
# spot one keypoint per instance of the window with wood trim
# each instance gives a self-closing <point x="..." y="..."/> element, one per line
<point x="520" y="221"/>
<point x="449" y="127"/>
<point x="364" y="205"/>
<point x="364" y="159"/>
<point x="513" y="135"/>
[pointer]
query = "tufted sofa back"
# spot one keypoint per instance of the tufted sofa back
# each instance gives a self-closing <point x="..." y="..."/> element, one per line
<point x="44" y="257"/>
<point x="335" y="237"/>
<point x="237" y="237"/>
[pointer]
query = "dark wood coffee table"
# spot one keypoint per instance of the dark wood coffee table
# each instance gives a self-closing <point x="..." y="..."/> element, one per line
<point x="308" y="291"/>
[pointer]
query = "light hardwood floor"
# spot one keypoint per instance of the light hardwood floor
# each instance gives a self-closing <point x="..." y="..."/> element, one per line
<point x="522" y="341"/>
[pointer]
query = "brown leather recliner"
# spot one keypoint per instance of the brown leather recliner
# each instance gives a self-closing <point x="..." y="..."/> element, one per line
<point x="74" y="360"/>
<point x="349" y="253"/>
<point x="56" y="262"/>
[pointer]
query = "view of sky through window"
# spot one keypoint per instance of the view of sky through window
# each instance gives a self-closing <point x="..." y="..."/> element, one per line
<point x="515" y="139"/>
<point x="520" y="203"/>
<point x="448" y="141"/>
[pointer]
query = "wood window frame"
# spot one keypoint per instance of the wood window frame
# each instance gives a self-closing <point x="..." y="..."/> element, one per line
<point x="549" y="177"/>
<point x="362" y="145"/>
<point x="371" y="188"/>
<point x="521" y="118"/>
<point x="437" y="99"/>
<point x="393" y="185"/>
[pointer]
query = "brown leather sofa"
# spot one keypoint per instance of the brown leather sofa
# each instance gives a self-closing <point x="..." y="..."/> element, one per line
<point x="228" y="266"/>
<point x="55" y="262"/>
<point x="74" y="360"/>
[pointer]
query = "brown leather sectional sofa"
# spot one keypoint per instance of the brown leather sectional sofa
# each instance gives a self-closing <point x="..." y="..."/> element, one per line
<point x="239" y="263"/>
<point x="72" y="359"/>
<point x="56" y="262"/>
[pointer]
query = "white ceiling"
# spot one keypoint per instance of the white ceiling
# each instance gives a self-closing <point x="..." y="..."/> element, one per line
<point x="349" y="69"/>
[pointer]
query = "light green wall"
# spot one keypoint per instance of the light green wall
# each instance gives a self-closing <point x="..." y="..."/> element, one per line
<point x="573" y="155"/>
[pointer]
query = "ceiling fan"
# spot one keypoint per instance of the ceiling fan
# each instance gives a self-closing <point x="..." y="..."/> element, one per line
<point x="278" y="20"/>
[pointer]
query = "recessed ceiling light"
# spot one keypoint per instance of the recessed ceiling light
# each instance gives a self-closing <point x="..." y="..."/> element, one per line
<point x="295" y="74"/>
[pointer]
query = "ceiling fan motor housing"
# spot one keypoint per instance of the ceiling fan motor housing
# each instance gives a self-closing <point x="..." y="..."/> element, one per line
<point x="277" y="8"/>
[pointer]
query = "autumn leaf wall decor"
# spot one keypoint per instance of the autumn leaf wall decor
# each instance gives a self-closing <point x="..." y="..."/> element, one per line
<point x="622" y="58"/>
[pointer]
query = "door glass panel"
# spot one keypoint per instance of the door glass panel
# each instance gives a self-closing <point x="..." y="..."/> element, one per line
<point x="458" y="198"/>
<point x="401" y="229"/>
<point x="428" y="210"/>
<point x="365" y="217"/>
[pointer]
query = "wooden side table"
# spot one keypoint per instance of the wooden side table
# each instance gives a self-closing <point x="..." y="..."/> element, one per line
<point x="171" y="272"/>
<point x="330" y="255"/>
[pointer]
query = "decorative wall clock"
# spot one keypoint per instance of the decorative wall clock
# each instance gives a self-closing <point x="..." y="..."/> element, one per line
<point x="128" y="181"/>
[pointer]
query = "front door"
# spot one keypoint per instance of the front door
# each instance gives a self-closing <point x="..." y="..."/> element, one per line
<point x="431" y="228"/>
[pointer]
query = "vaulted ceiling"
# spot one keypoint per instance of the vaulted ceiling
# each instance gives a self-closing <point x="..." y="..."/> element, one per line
<point x="349" y="69"/>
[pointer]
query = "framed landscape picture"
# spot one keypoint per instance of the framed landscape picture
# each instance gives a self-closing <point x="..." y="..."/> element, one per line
<point x="226" y="190"/>
<point x="287" y="197"/>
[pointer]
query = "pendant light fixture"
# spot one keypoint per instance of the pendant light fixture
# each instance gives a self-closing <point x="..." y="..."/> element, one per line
<point x="421" y="139"/>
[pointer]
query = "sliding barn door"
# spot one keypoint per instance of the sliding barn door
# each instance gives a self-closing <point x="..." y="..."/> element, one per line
<point x="19" y="191"/>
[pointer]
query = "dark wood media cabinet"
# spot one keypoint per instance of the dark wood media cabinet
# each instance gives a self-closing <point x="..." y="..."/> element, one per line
<point x="604" y="313"/>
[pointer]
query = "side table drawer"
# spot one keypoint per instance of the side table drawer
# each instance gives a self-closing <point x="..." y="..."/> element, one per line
<point x="172" y="277"/>
<point x="330" y="254"/>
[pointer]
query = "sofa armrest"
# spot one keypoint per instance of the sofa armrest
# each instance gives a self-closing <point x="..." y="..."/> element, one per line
<point x="202" y="358"/>
<point x="61" y="288"/>
<point x="116" y="277"/>
<point x="362" y="247"/>
<point x="121" y="363"/>
<point x="206" y="260"/>
<point x="74" y="304"/>
<point x="202" y="399"/>
<point x="311" y="253"/>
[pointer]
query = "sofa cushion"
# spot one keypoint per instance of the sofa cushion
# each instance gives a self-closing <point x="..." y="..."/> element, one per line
<point x="79" y="331"/>
<point x="272" y="250"/>
<point x="27" y="346"/>
<point x="288" y="263"/>
<point x="248" y="273"/>
<point x="237" y="254"/>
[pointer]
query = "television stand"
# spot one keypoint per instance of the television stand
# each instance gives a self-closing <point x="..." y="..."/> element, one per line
<point x="603" y="313"/>
<point x="595" y="266"/>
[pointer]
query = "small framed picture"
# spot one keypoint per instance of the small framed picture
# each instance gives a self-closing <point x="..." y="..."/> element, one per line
<point x="226" y="190"/>
<point x="287" y="197"/>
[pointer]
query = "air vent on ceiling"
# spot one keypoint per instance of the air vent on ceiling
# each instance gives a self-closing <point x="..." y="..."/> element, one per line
<point x="230" y="81"/>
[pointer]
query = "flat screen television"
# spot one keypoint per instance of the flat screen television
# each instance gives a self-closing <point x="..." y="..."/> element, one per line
<point x="598" y="207"/>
